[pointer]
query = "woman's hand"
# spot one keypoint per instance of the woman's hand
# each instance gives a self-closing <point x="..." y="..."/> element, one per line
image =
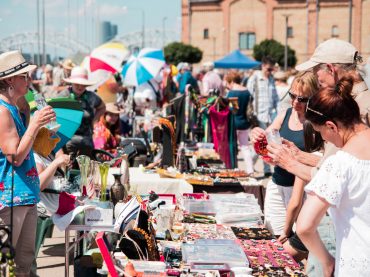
<point x="63" y="160"/>
<point x="284" y="236"/>
<point x="257" y="134"/>
<point x="42" y="117"/>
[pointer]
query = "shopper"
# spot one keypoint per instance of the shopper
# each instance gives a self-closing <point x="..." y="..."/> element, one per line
<point x="16" y="142"/>
<point x="341" y="185"/>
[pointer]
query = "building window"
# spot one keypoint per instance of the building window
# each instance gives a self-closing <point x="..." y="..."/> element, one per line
<point x="334" y="31"/>
<point x="247" y="41"/>
<point x="206" y="33"/>
<point x="289" y="32"/>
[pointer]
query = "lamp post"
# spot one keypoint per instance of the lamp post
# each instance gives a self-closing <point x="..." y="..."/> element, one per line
<point x="286" y="42"/>
<point x="214" y="48"/>
<point x="164" y="31"/>
<point x="350" y="21"/>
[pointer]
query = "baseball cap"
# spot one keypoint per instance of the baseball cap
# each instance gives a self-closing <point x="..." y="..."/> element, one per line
<point x="330" y="51"/>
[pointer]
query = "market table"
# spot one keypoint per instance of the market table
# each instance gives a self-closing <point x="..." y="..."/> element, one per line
<point x="142" y="183"/>
<point x="79" y="228"/>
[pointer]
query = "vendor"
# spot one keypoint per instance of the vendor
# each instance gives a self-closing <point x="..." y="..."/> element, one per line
<point x="93" y="107"/>
<point x="107" y="130"/>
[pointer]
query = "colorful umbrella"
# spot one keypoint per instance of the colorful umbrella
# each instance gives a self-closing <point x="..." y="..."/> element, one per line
<point x="143" y="66"/>
<point x="108" y="57"/>
<point x="69" y="115"/>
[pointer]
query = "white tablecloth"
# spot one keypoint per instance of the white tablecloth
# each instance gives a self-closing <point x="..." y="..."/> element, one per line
<point x="143" y="183"/>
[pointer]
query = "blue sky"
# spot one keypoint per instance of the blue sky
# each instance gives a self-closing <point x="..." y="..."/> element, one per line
<point x="17" y="16"/>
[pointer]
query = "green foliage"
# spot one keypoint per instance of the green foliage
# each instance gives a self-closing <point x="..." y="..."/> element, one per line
<point x="179" y="52"/>
<point x="274" y="49"/>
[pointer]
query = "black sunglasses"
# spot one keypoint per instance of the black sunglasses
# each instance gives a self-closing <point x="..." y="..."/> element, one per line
<point x="300" y="99"/>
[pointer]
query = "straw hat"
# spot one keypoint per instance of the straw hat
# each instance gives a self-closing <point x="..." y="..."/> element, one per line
<point x="13" y="63"/>
<point x="79" y="76"/>
<point x="113" y="108"/>
<point x="68" y="64"/>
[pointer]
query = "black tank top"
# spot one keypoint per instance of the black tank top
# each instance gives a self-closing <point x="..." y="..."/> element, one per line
<point x="282" y="177"/>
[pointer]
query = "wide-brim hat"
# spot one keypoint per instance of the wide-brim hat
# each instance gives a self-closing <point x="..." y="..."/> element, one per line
<point x="79" y="75"/>
<point x="12" y="63"/>
<point x="113" y="108"/>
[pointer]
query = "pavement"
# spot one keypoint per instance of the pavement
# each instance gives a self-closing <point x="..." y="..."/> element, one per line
<point x="50" y="261"/>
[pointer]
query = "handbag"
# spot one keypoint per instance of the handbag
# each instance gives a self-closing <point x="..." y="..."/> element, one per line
<point x="250" y="114"/>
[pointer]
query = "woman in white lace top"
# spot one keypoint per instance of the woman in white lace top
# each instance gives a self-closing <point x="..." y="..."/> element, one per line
<point x="342" y="186"/>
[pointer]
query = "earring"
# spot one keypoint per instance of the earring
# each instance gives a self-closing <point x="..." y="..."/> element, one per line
<point x="10" y="90"/>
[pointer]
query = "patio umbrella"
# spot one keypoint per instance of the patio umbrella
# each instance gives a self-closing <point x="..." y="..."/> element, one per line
<point x="108" y="57"/>
<point x="143" y="66"/>
<point x="69" y="115"/>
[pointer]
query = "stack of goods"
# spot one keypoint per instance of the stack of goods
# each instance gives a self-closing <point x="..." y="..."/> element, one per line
<point x="195" y="231"/>
<point x="265" y="254"/>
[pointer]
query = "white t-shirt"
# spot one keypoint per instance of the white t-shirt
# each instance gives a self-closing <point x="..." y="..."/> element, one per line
<point x="49" y="201"/>
<point x="344" y="182"/>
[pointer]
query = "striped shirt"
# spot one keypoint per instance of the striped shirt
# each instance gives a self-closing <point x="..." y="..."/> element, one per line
<point x="267" y="96"/>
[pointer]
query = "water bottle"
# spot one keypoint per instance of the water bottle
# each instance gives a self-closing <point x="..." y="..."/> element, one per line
<point x="41" y="103"/>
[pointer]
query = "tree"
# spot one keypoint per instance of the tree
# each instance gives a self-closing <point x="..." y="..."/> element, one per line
<point x="177" y="52"/>
<point x="274" y="49"/>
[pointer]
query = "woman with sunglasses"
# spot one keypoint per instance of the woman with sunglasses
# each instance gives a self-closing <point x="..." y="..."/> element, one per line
<point x="278" y="215"/>
<point x="341" y="186"/>
<point x="16" y="147"/>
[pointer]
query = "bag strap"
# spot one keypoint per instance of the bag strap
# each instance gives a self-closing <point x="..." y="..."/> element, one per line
<point x="137" y="247"/>
<point x="157" y="93"/>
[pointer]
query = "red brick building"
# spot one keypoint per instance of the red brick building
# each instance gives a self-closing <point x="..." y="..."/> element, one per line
<point x="220" y="26"/>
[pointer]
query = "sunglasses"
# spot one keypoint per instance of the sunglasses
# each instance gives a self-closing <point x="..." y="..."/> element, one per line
<point x="300" y="99"/>
<point x="314" y="111"/>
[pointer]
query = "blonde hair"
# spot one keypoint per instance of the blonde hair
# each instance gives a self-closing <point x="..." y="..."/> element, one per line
<point x="306" y="82"/>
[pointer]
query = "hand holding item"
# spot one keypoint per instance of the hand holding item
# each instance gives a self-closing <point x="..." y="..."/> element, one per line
<point x="257" y="134"/>
<point x="260" y="146"/>
<point x="42" y="117"/>
<point x="280" y="154"/>
<point x="63" y="160"/>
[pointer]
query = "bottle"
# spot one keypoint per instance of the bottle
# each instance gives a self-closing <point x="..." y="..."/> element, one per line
<point x="41" y="103"/>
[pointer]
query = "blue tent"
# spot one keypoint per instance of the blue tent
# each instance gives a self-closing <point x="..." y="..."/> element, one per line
<point x="236" y="60"/>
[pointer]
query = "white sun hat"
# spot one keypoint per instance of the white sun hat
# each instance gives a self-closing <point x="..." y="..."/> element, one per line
<point x="79" y="75"/>
<point x="12" y="63"/>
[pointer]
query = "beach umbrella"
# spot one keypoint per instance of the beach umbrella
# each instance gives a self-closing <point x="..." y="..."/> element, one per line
<point x="68" y="114"/>
<point x="108" y="57"/>
<point x="143" y="66"/>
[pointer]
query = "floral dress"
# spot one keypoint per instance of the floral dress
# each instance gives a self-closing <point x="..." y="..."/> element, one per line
<point x="103" y="138"/>
<point x="26" y="180"/>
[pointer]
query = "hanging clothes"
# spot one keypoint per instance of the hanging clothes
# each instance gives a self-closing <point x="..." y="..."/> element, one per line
<point x="220" y="133"/>
<point x="233" y="145"/>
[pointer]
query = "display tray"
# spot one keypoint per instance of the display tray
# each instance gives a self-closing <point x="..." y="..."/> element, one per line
<point x="277" y="271"/>
<point x="252" y="233"/>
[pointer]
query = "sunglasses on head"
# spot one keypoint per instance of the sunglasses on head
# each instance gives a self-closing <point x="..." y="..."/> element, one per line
<point x="308" y="109"/>
<point x="300" y="99"/>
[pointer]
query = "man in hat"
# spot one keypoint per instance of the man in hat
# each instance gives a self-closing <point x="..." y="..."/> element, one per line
<point x="93" y="107"/>
<point x="63" y="72"/>
<point x="331" y="60"/>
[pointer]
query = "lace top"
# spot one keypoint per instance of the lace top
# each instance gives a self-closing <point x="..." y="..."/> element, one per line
<point x="344" y="182"/>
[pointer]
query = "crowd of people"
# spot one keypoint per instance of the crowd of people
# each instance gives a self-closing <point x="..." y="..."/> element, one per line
<point x="320" y="109"/>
